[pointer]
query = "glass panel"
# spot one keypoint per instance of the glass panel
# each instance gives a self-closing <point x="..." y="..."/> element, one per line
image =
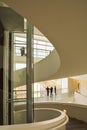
<point x="42" y="46"/>
<point x="19" y="88"/>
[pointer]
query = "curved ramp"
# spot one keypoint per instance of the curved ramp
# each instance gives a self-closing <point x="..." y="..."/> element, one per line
<point x="65" y="25"/>
<point x="42" y="70"/>
<point x="47" y="67"/>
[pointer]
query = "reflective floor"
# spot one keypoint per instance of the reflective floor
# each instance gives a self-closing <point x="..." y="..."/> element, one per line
<point x="66" y="97"/>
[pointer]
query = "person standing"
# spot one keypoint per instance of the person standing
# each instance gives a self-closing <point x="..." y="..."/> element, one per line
<point x="47" y="91"/>
<point x="22" y="51"/>
<point x="55" y="90"/>
<point x="51" y="91"/>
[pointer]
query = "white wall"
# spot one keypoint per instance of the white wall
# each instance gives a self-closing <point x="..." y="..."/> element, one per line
<point x="83" y="87"/>
<point x="80" y="99"/>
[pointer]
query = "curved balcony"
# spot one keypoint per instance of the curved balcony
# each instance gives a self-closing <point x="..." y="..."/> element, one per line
<point x="73" y="110"/>
<point x="52" y="120"/>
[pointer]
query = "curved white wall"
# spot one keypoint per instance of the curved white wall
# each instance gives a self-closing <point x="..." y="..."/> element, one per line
<point x="47" y="67"/>
<point x="40" y="114"/>
<point x="42" y="70"/>
<point x="52" y="120"/>
<point x="73" y="110"/>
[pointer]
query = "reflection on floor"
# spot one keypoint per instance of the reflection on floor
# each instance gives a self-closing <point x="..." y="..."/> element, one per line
<point x="66" y="97"/>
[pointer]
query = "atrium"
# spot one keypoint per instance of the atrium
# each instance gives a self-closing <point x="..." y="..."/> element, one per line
<point x="43" y="46"/>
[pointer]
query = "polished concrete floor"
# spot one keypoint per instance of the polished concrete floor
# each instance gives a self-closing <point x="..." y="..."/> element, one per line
<point x="65" y="97"/>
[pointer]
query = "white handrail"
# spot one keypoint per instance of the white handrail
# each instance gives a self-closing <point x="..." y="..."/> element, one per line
<point x="55" y="123"/>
